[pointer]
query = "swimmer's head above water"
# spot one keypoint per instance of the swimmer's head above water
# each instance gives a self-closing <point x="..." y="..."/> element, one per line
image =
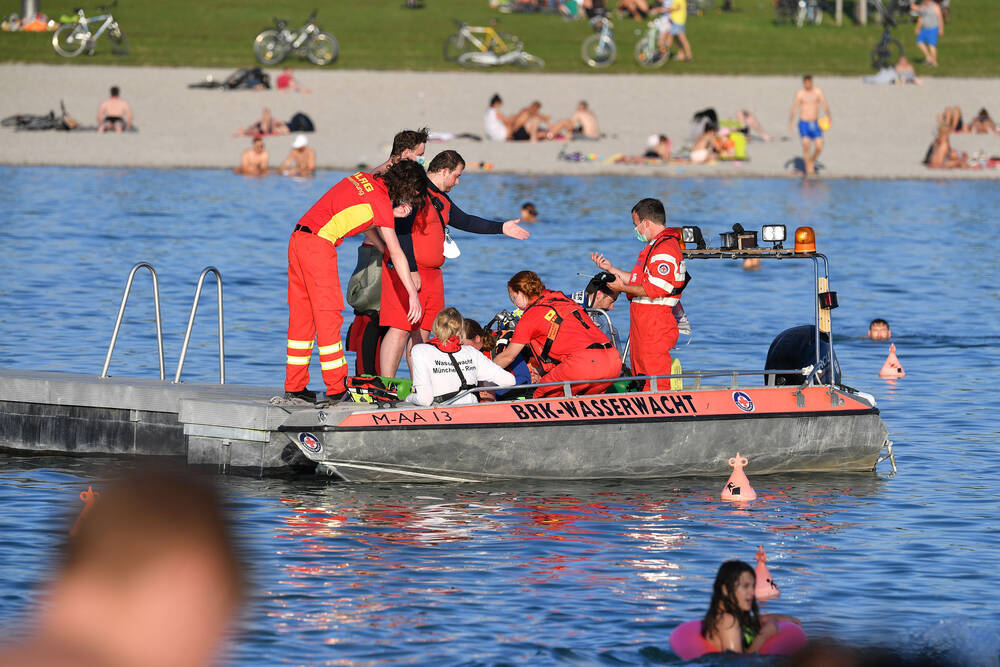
<point x="879" y="330"/>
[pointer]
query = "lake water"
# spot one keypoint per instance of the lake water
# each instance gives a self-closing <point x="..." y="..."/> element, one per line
<point x="543" y="573"/>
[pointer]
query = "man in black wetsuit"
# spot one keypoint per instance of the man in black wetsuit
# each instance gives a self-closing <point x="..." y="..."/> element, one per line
<point x="423" y="237"/>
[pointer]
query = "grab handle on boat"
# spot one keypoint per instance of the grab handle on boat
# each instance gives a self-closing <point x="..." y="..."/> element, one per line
<point x="194" y="309"/>
<point x="121" y="314"/>
<point x="810" y="372"/>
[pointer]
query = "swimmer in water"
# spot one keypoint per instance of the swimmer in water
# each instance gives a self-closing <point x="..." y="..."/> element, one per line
<point x="879" y="330"/>
<point x="733" y="622"/>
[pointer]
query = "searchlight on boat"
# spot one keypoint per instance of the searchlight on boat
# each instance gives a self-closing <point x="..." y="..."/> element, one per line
<point x="805" y="239"/>
<point x="773" y="234"/>
<point x="692" y="234"/>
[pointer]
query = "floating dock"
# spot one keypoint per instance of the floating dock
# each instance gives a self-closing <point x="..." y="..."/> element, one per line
<point x="230" y="427"/>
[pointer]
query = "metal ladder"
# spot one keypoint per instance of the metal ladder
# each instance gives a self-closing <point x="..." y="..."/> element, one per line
<point x="159" y="326"/>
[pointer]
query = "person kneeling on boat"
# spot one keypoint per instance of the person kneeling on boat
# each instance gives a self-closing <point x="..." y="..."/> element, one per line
<point x="733" y="622"/>
<point x="444" y="368"/>
<point x="562" y="338"/>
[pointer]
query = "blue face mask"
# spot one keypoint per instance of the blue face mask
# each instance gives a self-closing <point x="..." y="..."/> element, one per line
<point x="420" y="160"/>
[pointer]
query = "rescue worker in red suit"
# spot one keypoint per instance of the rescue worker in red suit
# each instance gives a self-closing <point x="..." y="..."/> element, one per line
<point x="563" y="339"/>
<point x="359" y="203"/>
<point x="653" y="288"/>
<point x="423" y="235"/>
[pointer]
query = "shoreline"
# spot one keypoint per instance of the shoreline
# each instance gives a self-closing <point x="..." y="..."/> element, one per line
<point x="879" y="132"/>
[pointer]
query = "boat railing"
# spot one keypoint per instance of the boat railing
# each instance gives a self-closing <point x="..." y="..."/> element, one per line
<point x="159" y="324"/>
<point x="654" y="381"/>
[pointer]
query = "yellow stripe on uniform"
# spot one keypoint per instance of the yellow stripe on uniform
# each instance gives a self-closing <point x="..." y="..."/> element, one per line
<point x="330" y="349"/>
<point x="300" y="344"/>
<point x="344" y="221"/>
<point x="297" y="361"/>
<point x="336" y="363"/>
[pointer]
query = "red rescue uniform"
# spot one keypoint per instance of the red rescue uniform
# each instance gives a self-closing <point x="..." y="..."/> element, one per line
<point x="661" y="271"/>
<point x="568" y="343"/>
<point x="428" y="249"/>
<point x="315" y="302"/>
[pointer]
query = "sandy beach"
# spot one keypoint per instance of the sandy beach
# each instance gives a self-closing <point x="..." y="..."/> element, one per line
<point x="878" y="131"/>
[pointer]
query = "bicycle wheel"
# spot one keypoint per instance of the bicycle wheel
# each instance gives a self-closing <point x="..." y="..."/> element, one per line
<point x="70" y="39"/>
<point x="119" y="43"/>
<point x="507" y="43"/>
<point x="322" y="49"/>
<point x="455" y="46"/>
<point x="597" y="52"/>
<point x="269" y="48"/>
<point x="529" y="61"/>
<point x="648" y="53"/>
<point x="886" y="53"/>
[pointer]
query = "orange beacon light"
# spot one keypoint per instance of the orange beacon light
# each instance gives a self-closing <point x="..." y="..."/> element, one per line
<point x="805" y="240"/>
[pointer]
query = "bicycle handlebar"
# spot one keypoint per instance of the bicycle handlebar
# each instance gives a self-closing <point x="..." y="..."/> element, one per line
<point x="460" y="24"/>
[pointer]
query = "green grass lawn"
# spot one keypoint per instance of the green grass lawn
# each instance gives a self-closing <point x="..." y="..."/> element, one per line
<point x="383" y="34"/>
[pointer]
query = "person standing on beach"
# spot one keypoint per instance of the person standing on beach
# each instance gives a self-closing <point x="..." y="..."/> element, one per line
<point x="114" y="113"/>
<point x="807" y="102"/>
<point x="930" y="26"/>
<point x="359" y="203"/>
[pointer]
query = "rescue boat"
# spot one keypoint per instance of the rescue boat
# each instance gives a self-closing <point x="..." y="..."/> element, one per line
<point x="800" y="419"/>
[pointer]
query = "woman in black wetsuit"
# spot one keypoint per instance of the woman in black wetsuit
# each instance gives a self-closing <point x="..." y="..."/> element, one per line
<point x="733" y="622"/>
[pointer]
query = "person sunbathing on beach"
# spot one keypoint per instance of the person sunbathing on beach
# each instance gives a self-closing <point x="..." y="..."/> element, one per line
<point x="704" y="146"/>
<point x="287" y="82"/>
<point x="114" y="114"/>
<point x="581" y="125"/>
<point x="733" y="622"/>
<point x="941" y="155"/>
<point x="301" y="161"/>
<point x="528" y="124"/>
<point x="253" y="162"/>
<point x="952" y="117"/>
<point x="266" y="125"/>
<point x="982" y="123"/>
<point x="658" y="149"/>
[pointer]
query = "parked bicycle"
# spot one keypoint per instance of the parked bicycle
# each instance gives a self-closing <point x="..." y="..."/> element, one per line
<point x="648" y="52"/>
<point x="799" y="12"/>
<point x="483" y="46"/>
<point x="73" y="37"/>
<point x="273" y="45"/>
<point x="599" y="49"/>
<point x="889" y="50"/>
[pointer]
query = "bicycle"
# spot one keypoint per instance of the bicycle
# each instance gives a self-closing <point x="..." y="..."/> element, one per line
<point x="483" y="46"/>
<point x="72" y="38"/>
<point x="889" y="50"/>
<point x="599" y="49"/>
<point x="648" y="52"/>
<point x="271" y="46"/>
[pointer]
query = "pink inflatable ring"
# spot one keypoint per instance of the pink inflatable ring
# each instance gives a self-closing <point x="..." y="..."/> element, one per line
<point x="687" y="642"/>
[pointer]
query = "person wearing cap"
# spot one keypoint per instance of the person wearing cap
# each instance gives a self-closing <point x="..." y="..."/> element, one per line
<point x="653" y="288"/>
<point x="301" y="160"/>
<point x="598" y="296"/>
<point x="425" y="238"/>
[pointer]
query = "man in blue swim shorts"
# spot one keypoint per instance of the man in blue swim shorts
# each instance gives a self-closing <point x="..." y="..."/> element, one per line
<point x="930" y="26"/>
<point x="807" y="103"/>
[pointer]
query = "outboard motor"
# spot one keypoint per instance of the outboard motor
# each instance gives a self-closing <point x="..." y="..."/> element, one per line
<point x="796" y="348"/>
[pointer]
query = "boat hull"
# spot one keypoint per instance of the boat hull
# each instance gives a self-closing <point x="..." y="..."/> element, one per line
<point x="628" y="436"/>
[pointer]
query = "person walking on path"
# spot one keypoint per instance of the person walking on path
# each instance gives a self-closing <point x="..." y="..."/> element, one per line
<point x="807" y="103"/>
<point x="930" y="27"/>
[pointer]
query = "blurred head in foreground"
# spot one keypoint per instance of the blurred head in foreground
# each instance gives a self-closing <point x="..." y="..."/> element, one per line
<point x="150" y="577"/>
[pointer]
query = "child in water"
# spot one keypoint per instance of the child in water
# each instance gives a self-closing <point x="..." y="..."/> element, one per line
<point x="733" y="622"/>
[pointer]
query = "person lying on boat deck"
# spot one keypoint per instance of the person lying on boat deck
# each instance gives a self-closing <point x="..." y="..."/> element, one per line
<point x="422" y="236"/>
<point x="733" y="622"/>
<point x="562" y="338"/>
<point x="879" y="330"/>
<point x="444" y="368"/>
<point x="653" y="288"/>
<point x="149" y="577"/>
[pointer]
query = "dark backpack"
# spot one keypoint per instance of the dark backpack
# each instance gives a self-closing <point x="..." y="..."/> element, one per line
<point x="301" y="123"/>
